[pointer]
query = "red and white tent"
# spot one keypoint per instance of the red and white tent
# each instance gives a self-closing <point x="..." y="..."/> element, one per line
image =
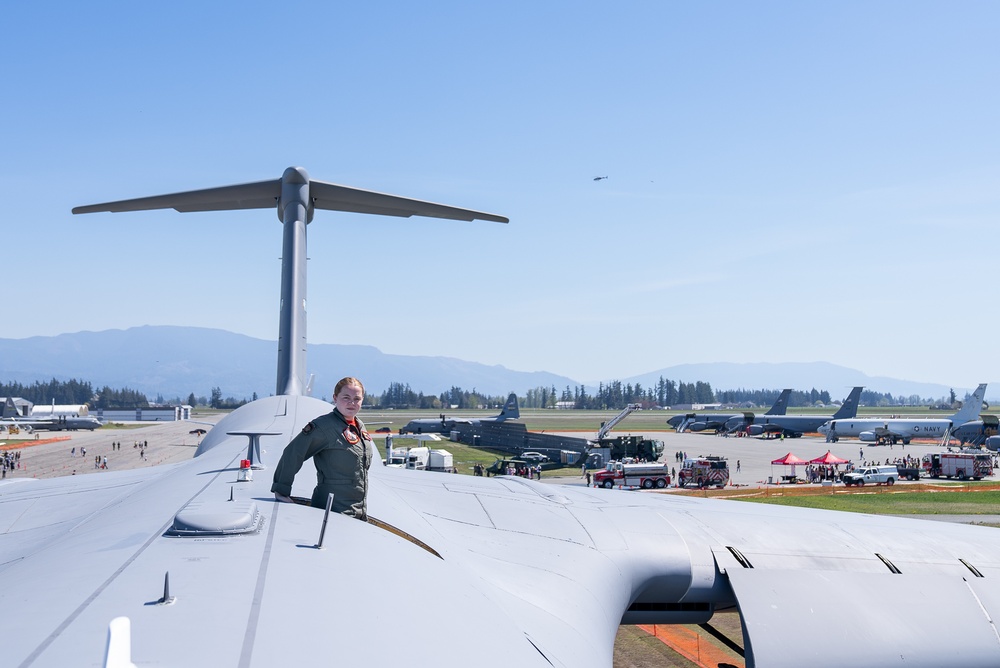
<point x="828" y="459"/>
<point x="789" y="460"/>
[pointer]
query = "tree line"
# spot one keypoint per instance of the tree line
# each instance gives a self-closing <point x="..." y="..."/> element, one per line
<point x="612" y="395"/>
<point x="71" y="392"/>
<point x="615" y="395"/>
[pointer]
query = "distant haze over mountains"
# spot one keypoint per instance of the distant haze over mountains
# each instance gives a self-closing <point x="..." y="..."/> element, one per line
<point x="837" y="380"/>
<point x="176" y="361"/>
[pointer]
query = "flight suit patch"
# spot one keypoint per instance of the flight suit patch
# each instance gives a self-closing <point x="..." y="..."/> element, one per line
<point x="308" y="428"/>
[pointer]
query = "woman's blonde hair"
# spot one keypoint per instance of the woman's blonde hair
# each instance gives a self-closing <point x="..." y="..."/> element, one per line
<point x="344" y="382"/>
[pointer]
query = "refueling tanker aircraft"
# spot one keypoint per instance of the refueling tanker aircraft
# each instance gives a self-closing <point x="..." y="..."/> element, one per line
<point x="717" y="421"/>
<point x="184" y="565"/>
<point x="793" y="426"/>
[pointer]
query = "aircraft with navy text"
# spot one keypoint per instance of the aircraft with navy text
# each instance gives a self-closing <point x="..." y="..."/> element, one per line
<point x="195" y="563"/>
<point x="895" y="430"/>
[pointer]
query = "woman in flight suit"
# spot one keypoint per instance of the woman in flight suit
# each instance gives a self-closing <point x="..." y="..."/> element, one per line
<point x="341" y="450"/>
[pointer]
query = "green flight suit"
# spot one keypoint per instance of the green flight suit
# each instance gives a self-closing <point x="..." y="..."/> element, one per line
<point x="341" y="465"/>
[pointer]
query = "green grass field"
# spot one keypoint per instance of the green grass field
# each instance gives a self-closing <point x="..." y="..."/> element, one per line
<point x="897" y="503"/>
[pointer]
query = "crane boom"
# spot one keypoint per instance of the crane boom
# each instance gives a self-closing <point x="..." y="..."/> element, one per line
<point x="609" y="425"/>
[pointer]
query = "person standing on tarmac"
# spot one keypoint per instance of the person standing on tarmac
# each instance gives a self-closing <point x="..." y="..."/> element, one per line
<point x="341" y="450"/>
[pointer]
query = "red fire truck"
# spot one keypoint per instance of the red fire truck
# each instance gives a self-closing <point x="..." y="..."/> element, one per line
<point x="704" y="471"/>
<point x="961" y="465"/>
<point x="646" y="476"/>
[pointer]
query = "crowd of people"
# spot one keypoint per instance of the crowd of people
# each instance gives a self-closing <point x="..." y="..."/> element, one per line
<point x="10" y="460"/>
<point x="101" y="461"/>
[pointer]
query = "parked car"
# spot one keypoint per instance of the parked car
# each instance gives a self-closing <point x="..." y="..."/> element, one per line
<point x="534" y="457"/>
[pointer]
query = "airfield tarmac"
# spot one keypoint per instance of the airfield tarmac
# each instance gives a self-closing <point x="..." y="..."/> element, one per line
<point x="170" y="442"/>
<point x="755" y="454"/>
<point x="167" y="443"/>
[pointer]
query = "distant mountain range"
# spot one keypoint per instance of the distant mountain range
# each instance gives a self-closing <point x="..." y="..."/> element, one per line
<point x="176" y="361"/>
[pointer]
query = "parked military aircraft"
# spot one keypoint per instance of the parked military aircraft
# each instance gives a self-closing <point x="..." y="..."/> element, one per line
<point x="54" y="423"/>
<point x="977" y="432"/>
<point x="194" y="563"/>
<point x="793" y="426"/>
<point x="717" y="421"/>
<point x="894" y="430"/>
<point x="445" y="424"/>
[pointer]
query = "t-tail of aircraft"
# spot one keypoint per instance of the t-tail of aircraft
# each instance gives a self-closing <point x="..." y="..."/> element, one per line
<point x="510" y="410"/>
<point x="780" y="406"/>
<point x="296" y="197"/>
<point x="849" y="408"/>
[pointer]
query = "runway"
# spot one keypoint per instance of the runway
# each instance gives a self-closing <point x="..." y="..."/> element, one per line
<point x="168" y="443"/>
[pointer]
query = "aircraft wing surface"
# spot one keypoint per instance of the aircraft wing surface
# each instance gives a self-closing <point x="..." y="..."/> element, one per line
<point x="459" y="565"/>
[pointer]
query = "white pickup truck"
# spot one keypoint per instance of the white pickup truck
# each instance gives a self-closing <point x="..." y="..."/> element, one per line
<point x="872" y="475"/>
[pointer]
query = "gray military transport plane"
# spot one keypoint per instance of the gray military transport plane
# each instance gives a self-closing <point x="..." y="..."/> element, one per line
<point x="85" y="560"/>
<point x="443" y="424"/>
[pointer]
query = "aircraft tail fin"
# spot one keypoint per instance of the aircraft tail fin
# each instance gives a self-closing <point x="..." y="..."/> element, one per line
<point x="510" y="410"/>
<point x="970" y="409"/>
<point x="780" y="406"/>
<point x="849" y="409"/>
<point x="9" y="410"/>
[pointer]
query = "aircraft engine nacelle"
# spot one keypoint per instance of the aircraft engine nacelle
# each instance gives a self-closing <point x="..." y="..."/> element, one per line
<point x="868" y="436"/>
<point x="993" y="443"/>
<point x="755" y="430"/>
<point x="698" y="426"/>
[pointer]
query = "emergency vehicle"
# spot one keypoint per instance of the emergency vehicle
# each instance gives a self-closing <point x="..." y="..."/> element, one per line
<point x="961" y="465"/>
<point x="646" y="476"/>
<point x="704" y="471"/>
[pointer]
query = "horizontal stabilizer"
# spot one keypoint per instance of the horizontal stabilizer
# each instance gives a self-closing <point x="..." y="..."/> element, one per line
<point x="265" y="195"/>
<point x="333" y="197"/>
<point x="259" y="195"/>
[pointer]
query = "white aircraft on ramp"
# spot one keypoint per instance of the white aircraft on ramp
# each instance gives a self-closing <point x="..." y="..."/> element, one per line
<point x="894" y="430"/>
<point x="518" y="573"/>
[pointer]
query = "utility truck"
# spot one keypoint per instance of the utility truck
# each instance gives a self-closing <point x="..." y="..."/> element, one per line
<point x="425" y="459"/>
<point x="646" y="476"/>
<point x="622" y="447"/>
<point x="872" y="475"/>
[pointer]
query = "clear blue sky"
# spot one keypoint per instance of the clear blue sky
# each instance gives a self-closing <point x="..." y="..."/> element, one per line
<point x="787" y="181"/>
